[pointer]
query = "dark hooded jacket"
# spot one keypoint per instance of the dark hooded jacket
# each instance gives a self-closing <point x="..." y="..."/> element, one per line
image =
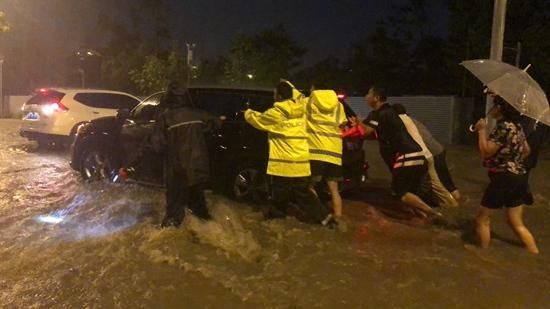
<point x="179" y="134"/>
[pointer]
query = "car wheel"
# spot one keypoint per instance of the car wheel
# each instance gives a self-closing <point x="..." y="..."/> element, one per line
<point x="97" y="165"/>
<point x="250" y="185"/>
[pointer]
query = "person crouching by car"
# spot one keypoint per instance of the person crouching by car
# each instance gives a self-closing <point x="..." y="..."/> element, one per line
<point x="436" y="189"/>
<point x="504" y="152"/>
<point x="288" y="162"/>
<point x="409" y="165"/>
<point x="325" y="117"/>
<point x="179" y="134"/>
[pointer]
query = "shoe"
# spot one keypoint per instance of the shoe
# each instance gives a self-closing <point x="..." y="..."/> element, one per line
<point x="330" y="222"/>
<point x="327" y="219"/>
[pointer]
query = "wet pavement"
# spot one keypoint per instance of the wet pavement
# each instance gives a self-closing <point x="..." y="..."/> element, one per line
<point x="67" y="243"/>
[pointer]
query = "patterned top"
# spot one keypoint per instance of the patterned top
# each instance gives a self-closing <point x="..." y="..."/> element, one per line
<point x="510" y="139"/>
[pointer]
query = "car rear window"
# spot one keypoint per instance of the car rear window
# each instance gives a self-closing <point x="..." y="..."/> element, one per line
<point x="106" y="100"/>
<point x="45" y="98"/>
<point x="146" y="110"/>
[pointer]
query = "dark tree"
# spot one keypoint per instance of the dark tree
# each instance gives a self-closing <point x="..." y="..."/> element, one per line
<point x="262" y="59"/>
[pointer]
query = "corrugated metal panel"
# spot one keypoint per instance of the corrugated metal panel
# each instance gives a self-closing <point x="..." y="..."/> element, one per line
<point x="438" y="114"/>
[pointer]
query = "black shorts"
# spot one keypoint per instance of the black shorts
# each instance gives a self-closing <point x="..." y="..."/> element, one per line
<point x="323" y="170"/>
<point x="505" y="190"/>
<point x="408" y="179"/>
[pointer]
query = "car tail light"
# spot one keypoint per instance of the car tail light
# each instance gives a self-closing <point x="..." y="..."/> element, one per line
<point x="341" y="96"/>
<point x="53" y="107"/>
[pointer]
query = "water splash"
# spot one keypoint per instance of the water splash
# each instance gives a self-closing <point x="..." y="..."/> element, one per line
<point x="59" y="215"/>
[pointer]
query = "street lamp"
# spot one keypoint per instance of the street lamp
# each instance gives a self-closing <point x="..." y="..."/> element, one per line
<point x="190" y="47"/>
<point x="82" y="54"/>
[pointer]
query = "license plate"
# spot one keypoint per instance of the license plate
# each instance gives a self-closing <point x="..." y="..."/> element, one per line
<point x="33" y="116"/>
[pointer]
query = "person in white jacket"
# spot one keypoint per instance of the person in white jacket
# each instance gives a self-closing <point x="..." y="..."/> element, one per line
<point x="443" y="195"/>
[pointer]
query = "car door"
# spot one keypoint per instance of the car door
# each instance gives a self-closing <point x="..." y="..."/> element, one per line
<point x="225" y="143"/>
<point x="254" y="140"/>
<point x="135" y="141"/>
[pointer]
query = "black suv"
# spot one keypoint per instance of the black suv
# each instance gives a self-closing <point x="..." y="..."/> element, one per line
<point x="238" y="152"/>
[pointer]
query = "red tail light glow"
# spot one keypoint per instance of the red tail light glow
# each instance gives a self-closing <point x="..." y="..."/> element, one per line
<point x="341" y="96"/>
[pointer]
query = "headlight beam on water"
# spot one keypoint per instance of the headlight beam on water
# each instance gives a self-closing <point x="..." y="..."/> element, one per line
<point x="49" y="219"/>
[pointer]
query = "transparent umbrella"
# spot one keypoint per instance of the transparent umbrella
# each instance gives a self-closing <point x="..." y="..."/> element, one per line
<point x="514" y="85"/>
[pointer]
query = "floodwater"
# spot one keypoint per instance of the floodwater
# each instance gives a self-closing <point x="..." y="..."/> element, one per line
<point x="66" y="243"/>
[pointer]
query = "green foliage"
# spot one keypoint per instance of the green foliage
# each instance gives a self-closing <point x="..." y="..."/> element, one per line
<point x="157" y="72"/>
<point x="262" y="59"/>
<point x="211" y="72"/>
<point x="132" y="46"/>
<point x="116" y="68"/>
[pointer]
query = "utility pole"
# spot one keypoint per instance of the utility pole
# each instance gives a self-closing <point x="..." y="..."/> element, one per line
<point x="497" y="45"/>
<point x="518" y="53"/>
<point x="1" y="86"/>
<point x="190" y="47"/>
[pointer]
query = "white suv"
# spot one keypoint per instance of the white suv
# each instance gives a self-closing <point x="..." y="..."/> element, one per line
<point x="52" y="115"/>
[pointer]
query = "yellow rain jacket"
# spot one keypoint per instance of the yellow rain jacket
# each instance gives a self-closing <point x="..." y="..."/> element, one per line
<point x="288" y="146"/>
<point x="325" y="115"/>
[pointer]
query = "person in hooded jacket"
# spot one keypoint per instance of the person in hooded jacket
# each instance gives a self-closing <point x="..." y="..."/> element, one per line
<point x="325" y="118"/>
<point x="179" y="134"/>
<point x="288" y="162"/>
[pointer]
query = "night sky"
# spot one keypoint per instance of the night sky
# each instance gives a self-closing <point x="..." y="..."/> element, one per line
<point x="324" y="27"/>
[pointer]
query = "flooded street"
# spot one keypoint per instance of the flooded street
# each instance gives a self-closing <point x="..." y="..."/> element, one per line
<point x="66" y="243"/>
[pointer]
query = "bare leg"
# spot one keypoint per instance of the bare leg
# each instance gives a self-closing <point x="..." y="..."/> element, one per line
<point x="515" y="220"/>
<point x="414" y="201"/>
<point x="336" y="198"/>
<point x="483" y="226"/>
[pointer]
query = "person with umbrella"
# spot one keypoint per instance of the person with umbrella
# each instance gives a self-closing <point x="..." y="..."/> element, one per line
<point x="515" y="94"/>
<point x="504" y="152"/>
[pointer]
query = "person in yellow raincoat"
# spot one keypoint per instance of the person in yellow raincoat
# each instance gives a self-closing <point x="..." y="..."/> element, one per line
<point x="288" y="161"/>
<point x="325" y="116"/>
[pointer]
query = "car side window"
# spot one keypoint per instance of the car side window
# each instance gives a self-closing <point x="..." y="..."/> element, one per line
<point x="106" y="100"/>
<point x="146" y="110"/>
<point x="221" y="103"/>
<point x="260" y="103"/>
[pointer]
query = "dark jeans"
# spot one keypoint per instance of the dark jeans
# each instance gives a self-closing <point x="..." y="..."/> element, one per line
<point x="292" y="196"/>
<point x="179" y="196"/>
